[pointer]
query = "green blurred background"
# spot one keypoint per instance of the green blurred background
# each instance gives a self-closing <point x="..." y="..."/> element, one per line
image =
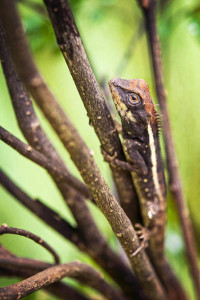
<point x="108" y="29"/>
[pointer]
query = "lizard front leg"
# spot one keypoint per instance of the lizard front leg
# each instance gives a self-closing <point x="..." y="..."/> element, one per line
<point x="135" y="163"/>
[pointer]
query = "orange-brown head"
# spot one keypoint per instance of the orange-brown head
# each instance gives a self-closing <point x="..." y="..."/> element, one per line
<point x="133" y="103"/>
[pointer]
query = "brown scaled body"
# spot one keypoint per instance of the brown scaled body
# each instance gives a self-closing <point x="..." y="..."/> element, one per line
<point x="140" y="131"/>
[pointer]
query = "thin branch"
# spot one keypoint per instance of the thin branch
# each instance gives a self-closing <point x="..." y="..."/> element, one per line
<point x="86" y="83"/>
<point x="94" y="243"/>
<point x="40" y="159"/>
<point x="4" y="229"/>
<point x="82" y="272"/>
<point x="175" y="185"/>
<point x="36" y="137"/>
<point x="23" y="263"/>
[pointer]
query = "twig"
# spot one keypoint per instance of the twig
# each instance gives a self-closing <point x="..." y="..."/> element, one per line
<point x="76" y="270"/>
<point x="175" y="185"/>
<point x="4" y="229"/>
<point x="94" y="243"/>
<point x="40" y="159"/>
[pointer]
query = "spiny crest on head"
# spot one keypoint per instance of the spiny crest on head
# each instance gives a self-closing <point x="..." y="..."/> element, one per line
<point x="138" y="86"/>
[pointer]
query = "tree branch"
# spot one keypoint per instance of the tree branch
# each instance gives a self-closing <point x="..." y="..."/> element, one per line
<point x="88" y="89"/>
<point x="4" y="229"/>
<point x="119" y="222"/>
<point x="94" y="243"/>
<point x="175" y="185"/>
<point x="11" y="265"/>
<point x="76" y="270"/>
<point x="99" y="190"/>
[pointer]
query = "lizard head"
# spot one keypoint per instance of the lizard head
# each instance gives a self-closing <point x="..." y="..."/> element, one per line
<point x="133" y="103"/>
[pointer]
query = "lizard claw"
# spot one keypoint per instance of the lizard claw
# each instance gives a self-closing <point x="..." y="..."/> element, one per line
<point x="143" y="234"/>
<point x="107" y="157"/>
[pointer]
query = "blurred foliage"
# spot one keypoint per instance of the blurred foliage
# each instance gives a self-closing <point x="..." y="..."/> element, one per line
<point x="107" y="29"/>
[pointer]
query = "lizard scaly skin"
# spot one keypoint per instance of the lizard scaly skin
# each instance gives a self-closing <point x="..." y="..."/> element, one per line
<point x="140" y="132"/>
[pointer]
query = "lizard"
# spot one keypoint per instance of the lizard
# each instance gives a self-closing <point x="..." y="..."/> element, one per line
<point x="140" y="134"/>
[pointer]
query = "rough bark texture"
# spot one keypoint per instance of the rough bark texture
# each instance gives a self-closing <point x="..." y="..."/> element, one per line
<point x="94" y="243"/>
<point x="99" y="190"/>
<point x="13" y="266"/>
<point x="76" y="270"/>
<point x="87" y="86"/>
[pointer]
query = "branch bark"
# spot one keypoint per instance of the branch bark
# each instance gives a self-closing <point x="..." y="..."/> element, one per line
<point x="95" y="244"/>
<point x="13" y="266"/>
<point x="87" y="86"/>
<point x="76" y="270"/>
<point x="99" y="190"/>
<point x="175" y="185"/>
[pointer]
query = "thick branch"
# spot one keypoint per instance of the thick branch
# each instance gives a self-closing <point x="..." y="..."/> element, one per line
<point x="4" y="229"/>
<point x="94" y="243"/>
<point x="121" y="225"/>
<point x="76" y="270"/>
<point x="86" y="84"/>
<point x="175" y="184"/>
<point x="36" y="137"/>
<point x="40" y="159"/>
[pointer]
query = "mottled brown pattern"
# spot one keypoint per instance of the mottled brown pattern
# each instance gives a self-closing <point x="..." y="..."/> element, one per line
<point x="140" y="126"/>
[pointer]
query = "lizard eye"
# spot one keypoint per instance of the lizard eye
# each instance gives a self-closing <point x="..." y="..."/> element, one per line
<point x="134" y="99"/>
